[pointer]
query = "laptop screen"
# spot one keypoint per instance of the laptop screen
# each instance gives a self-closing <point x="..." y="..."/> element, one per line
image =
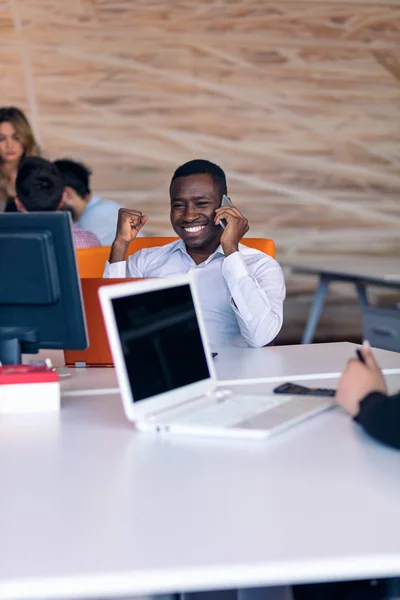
<point x="160" y="340"/>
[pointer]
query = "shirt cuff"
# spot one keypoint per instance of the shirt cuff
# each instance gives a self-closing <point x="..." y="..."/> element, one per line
<point x="234" y="268"/>
<point x="115" y="270"/>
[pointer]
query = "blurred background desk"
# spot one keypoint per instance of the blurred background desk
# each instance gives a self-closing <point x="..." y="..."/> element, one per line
<point x="380" y="325"/>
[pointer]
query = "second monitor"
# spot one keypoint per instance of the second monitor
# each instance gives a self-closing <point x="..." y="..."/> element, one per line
<point x="40" y="294"/>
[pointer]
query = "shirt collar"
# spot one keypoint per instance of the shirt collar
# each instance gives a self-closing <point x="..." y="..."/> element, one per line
<point x="180" y="245"/>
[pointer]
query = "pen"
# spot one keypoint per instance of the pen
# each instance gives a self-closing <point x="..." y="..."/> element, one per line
<point x="360" y="356"/>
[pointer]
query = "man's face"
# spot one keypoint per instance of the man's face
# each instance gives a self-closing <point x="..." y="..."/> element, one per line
<point x="193" y="203"/>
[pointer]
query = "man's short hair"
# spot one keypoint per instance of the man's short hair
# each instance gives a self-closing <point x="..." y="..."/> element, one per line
<point x="39" y="185"/>
<point x="76" y="175"/>
<point x="203" y="167"/>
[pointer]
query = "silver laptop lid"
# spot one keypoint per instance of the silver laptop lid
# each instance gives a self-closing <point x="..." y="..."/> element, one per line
<point x="158" y="342"/>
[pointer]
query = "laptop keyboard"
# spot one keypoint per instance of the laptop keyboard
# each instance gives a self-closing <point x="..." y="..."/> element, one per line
<point x="225" y="411"/>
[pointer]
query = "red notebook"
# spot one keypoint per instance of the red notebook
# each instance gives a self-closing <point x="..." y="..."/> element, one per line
<point x="11" y="374"/>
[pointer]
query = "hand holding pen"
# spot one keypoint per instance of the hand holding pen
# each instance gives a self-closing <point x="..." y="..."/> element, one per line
<point x="361" y="376"/>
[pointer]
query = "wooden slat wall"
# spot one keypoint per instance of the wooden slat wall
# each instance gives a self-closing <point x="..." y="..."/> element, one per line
<point x="299" y="101"/>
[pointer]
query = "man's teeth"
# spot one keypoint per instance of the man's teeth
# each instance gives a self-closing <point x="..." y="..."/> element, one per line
<point x="194" y="229"/>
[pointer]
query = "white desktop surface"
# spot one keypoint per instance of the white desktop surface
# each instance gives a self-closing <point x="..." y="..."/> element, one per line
<point x="234" y="364"/>
<point x="91" y="509"/>
<point x="302" y="361"/>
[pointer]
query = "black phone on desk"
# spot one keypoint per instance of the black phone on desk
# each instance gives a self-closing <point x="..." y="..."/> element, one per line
<point x="301" y="390"/>
<point x="225" y="202"/>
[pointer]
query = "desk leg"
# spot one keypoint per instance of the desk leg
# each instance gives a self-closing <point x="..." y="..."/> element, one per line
<point x="316" y="309"/>
<point x="362" y="294"/>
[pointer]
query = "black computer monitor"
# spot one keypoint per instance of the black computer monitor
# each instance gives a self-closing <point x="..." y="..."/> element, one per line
<point x="40" y="293"/>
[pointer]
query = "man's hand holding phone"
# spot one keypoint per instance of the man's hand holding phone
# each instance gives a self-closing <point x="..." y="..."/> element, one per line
<point x="129" y="224"/>
<point x="235" y="225"/>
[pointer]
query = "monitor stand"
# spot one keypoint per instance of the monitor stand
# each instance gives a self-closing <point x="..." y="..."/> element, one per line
<point x="16" y="340"/>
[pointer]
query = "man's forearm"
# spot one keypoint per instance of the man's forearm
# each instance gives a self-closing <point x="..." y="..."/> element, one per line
<point x="230" y="249"/>
<point x="119" y="250"/>
<point x="257" y="303"/>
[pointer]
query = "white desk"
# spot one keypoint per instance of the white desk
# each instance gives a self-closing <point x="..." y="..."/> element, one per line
<point x="91" y="509"/>
<point x="358" y="271"/>
<point x="287" y="362"/>
<point x="271" y="364"/>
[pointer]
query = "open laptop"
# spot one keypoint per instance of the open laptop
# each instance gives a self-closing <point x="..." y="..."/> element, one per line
<point x="165" y="370"/>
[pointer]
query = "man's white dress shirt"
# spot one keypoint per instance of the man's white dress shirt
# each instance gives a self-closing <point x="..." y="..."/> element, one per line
<point x="241" y="295"/>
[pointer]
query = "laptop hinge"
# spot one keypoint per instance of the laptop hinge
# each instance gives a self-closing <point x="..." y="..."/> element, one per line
<point x="164" y="411"/>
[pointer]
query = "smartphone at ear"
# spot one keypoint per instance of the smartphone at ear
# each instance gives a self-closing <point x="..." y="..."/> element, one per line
<point x="225" y="202"/>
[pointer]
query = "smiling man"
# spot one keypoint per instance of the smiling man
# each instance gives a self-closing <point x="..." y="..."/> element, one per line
<point x="241" y="290"/>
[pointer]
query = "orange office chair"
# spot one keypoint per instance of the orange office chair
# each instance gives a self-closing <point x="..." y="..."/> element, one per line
<point x="91" y="261"/>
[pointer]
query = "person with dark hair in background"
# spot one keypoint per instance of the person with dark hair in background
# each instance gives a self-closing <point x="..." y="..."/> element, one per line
<point x="241" y="290"/>
<point x="89" y="210"/>
<point x="40" y="188"/>
<point x="16" y="142"/>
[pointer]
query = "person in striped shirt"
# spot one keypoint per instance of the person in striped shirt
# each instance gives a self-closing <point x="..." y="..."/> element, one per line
<point x="40" y="188"/>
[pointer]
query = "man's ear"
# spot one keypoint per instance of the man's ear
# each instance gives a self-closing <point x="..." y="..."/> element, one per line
<point x="20" y="206"/>
<point x="62" y="201"/>
<point x="69" y="195"/>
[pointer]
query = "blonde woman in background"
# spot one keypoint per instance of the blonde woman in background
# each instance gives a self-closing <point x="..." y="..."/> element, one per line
<point x="16" y="142"/>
